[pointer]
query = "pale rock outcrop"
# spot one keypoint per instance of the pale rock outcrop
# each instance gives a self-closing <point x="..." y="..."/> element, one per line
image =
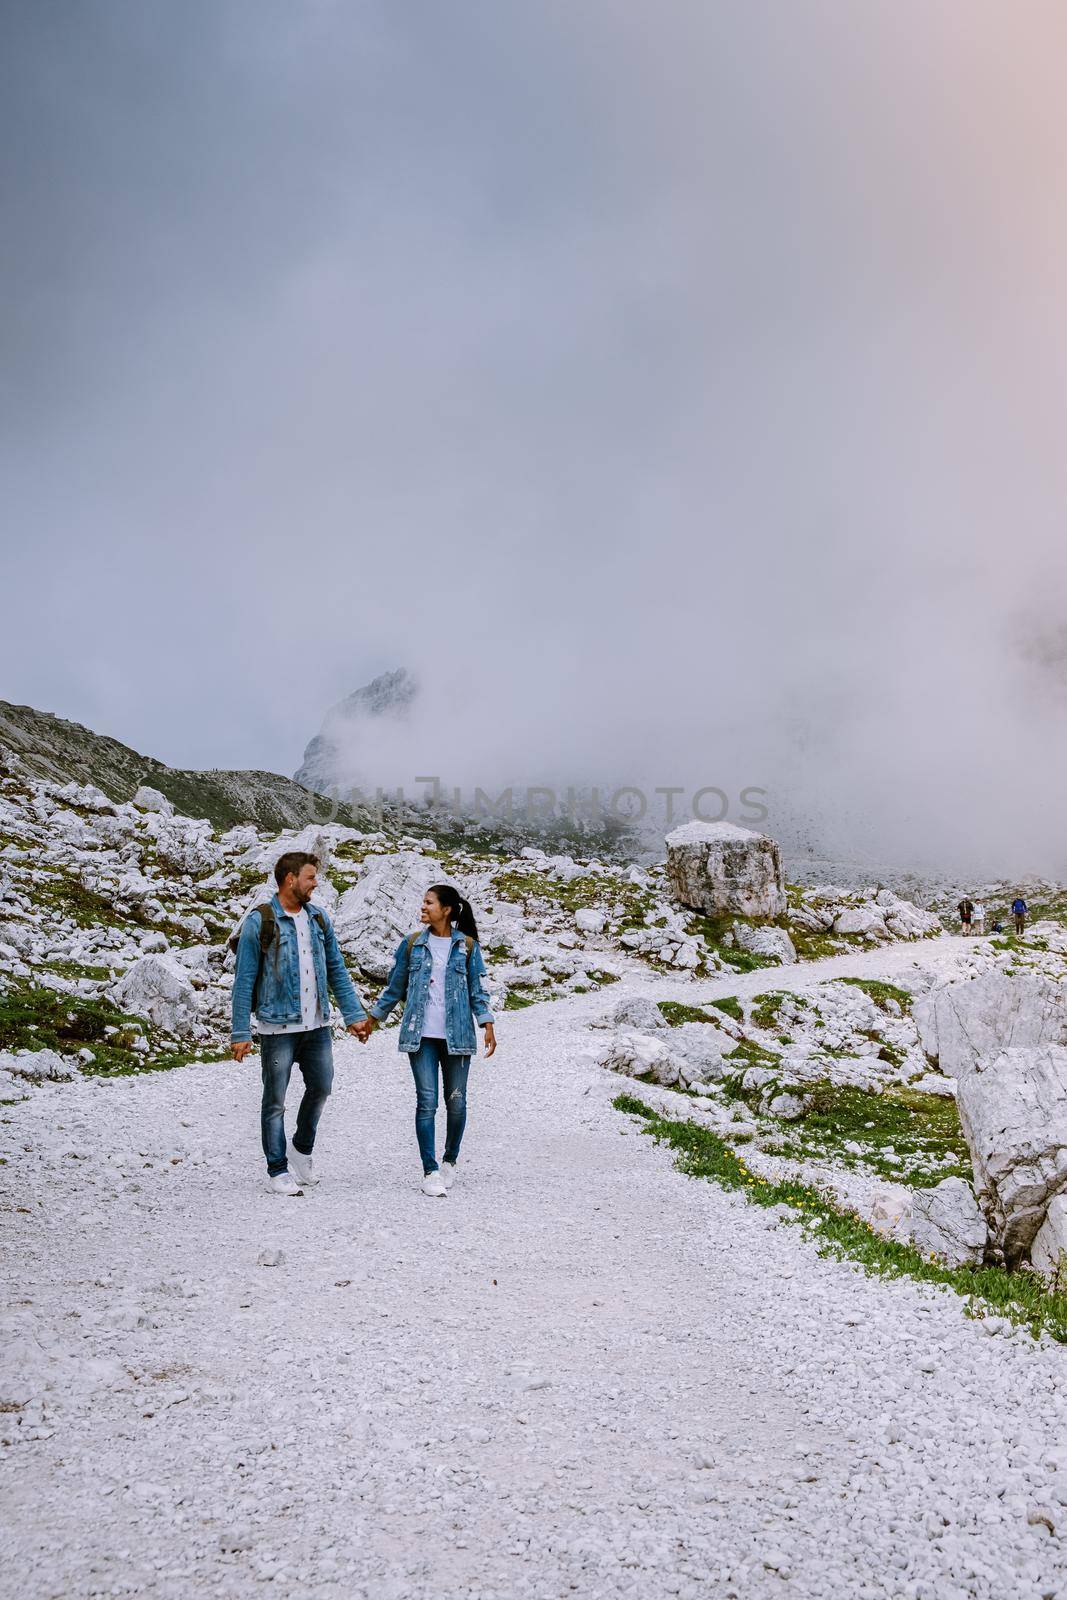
<point x="1013" y="1111"/>
<point x="638" y="1014"/>
<point x="38" y="1066"/>
<point x="383" y="906"/>
<point x="861" y="919"/>
<point x="947" y="1221"/>
<point x="1048" y="1253"/>
<point x="148" y="799"/>
<point x="717" y="867"/>
<point x="158" y="988"/>
<point x="590" y="919"/>
<point x="765" y="942"/>
<point x="960" y="1022"/>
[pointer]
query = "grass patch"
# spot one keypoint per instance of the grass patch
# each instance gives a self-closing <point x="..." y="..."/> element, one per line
<point x="1019" y="1296"/>
<point x="899" y="1129"/>
<point x="41" y="1019"/>
<point x="881" y="993"/>
<point x="675" y="1013"/>
<point x="731" y="1005"/>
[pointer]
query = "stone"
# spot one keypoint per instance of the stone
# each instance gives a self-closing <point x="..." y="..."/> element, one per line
<point x="271" y="1257"/>
<point x="947" y="1222"/>
<point x="639" y="1014"/>
<point x="717" y="868"/>
<point x="148" y="799"/>
<point x="860" y="919"/>
<point x="383" y="907"/>
<point x="787" y="1107"/>
<point x="589" y="919"/>
<point x="1013" y="1111"/>
<point x="636" y="1056"/>
<point x="960" y="1022"/>
<point x="158" y="988"/>
<point x="38" y="1066"/>
<point x="1048" y="1253"/>
<point x="765" y="942"/>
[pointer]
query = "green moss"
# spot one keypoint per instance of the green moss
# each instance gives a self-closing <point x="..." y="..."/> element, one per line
<point x="42" y="1019"/>
<point x="731" y="1005"/>
<point x="1019" y="1296"/>
<point x="518" y="998"/>
<point x="676" y="1013"/>
<point x="881" y="993"/>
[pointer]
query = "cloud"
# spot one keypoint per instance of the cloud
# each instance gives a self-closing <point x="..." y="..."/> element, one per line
<point x="679" y="401"/>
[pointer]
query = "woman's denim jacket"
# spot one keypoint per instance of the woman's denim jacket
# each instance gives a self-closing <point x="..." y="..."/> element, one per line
<point x="278" y="992"/>
<point x="465" y="998"/>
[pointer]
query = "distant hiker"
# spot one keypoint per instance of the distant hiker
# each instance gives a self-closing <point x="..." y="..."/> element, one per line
<point x="438" y="974"/>
<point x="979" y="916"/>
<point x="1019" y="909"/>
<point x="288" y="959"/>
<point x="966" y="911"/>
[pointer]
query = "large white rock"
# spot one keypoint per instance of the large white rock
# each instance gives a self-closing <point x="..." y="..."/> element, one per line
<point x="148" y="799"/>
<point x="590" y="919"/>
<point x="37" y="1065"/>
<point x="717" y="867"/>
<point x="861" y="919"/>
<point x="960" y="1022"/>
<point x="765" y="942"/>
<point x="947" y="1222"/>
<point x="639" y="1013"/>
<point x="375" y="914"/>
<point x="1013" y="1111"/>
<point x="158" y="988"/>
<point x="1048" y="1253"/>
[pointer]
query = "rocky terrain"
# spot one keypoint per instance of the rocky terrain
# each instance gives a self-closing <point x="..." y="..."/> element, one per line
<point x="875" y="1110"/>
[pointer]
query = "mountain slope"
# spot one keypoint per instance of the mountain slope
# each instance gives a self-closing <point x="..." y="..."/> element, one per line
<point x="49" y="747"/>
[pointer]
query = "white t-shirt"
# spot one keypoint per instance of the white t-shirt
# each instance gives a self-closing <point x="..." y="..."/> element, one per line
<point x="979" y="911"/>
<point x="433" y="1023"/>
<point x="310" y="1011"/>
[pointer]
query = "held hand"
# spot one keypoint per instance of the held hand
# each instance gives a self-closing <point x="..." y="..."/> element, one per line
<point x="490" y="1040"/>
<point x="241" y="1049"/>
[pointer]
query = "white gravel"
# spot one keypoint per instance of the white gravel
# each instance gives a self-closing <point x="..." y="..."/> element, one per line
<point x="581" y="1373"/>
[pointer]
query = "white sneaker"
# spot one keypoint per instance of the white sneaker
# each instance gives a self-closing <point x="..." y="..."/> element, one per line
<point x="448" y="1174"/>
<point x="434" y="1184"/>
<point x="284" y="1183"/>
<point x="300" y="1166"/>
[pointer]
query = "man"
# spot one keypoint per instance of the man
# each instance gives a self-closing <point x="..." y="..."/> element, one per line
<point x="1019" y="908"/>
<point x="966" y="911"/>
<point x="288" y="959"/>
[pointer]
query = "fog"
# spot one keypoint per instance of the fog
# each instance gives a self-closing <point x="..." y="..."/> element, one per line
<point x="678" y="393"/>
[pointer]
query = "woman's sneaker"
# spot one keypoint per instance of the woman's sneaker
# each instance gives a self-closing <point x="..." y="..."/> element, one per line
<point x="301" y="1167"/>
<point x="433" y="1184"/>
<point x="284" y="1183"/>
<point x="448" y="1174"/>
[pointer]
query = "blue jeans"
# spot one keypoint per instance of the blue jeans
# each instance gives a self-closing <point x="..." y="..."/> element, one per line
<point x="312" y="1052"/>
<point x="424" y="1063"/>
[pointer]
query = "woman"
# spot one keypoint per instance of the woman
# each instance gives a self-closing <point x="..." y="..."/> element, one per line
<point x="438" y="974"/>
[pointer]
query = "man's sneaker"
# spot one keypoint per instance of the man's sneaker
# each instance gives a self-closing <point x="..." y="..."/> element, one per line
<point x="434" y="1184"/>
<point x="284" y="1183"/>
<point x="300" y="1166"/>
<point x="448" y="1174"/>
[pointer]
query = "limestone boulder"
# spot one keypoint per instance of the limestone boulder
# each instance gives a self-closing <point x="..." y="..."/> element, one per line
<point x="149" y="799"/>
<point x="158" y="988"/>
<point x="1048" y="1253"/>
<point x="1013" y="1111"/>
<point x="947" y="1221"/>
<point x="773" y="942"/>
<point x="384" y="905"/>
<point x="961" y="1022"/>
<point x="717" y="867"/>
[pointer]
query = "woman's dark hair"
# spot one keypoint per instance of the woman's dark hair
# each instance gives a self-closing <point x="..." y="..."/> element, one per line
<point x="459" y="910"/>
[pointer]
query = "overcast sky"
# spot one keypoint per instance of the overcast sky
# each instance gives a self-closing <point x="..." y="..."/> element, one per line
<point x="678" y="389"/>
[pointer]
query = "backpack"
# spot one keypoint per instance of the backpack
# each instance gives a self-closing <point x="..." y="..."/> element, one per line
<point x="468" y="940"/>
<point x="965" y="908"/>
<point x="268" y="931"/>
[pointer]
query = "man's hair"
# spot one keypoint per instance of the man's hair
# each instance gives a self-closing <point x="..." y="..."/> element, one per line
<point x="292" y="861"/>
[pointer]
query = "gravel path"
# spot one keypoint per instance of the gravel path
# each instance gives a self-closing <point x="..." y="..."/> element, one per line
<point x="581" y="1373"/>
